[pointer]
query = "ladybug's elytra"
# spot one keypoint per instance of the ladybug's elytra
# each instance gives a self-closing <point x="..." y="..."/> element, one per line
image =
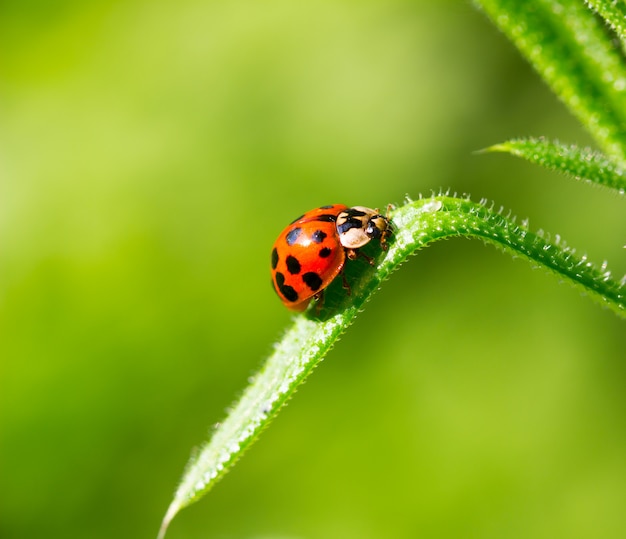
<point x="312" y="250"/>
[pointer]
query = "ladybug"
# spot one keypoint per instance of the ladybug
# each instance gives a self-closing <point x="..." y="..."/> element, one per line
<point x="312" y="250"/>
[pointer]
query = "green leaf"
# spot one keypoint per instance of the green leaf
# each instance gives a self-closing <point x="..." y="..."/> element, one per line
<point x="614" y="13"/>
<point x="568" y="46"/>
<point x="312" y="334"/>
<point x="579" y="163"/>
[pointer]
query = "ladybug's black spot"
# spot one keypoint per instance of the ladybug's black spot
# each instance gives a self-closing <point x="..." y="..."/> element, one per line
<point x="312" y="280"/>
<point x="287" y="291"/>
<point x="349" y="223"/>
<point x="318" y="236"/>
<point x="274" y="258"/>
<point x="325" y="252"/>
<point x="326" y="218"/>
<point x="329" y="207"/>
<point x="296" y="219"/>
<point x="293" y="266"/>
<point x="292" y="236"/>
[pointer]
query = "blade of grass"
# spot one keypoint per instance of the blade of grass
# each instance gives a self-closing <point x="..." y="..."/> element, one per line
<point x="567" y="45"/>
<point x="312" y="334"/>
<point x="614" y="13"/>
<point x="578" y="163"/>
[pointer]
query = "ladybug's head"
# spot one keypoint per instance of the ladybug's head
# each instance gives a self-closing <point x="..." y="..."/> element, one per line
<point x="357" y="226"/>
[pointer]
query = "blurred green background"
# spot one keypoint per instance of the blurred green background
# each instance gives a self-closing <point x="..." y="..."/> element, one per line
<point x="152" y="151"/>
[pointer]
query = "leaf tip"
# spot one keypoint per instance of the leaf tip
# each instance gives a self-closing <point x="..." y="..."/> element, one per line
<point x="172" y="510"/>
<point x="500" y="147"/>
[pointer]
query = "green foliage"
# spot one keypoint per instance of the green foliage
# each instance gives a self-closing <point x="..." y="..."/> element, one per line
<point x="150" y="154"/>
<point x="573" y="53"/>
<point x="307" y="342"/>
<point x="581" y="164"/>
<point x="613" y="12"/>
<point x="565" y="43"/>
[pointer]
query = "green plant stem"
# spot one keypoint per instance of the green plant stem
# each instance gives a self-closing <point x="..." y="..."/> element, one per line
<point x="614" y="13"/>
<point x="567" y="45"/>
<point x="312" y="334"/>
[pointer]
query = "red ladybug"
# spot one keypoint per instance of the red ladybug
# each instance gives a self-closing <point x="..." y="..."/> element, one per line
<point x="312" y="250"/>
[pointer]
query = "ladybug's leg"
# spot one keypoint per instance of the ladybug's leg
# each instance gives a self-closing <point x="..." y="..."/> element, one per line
<point x="319" y="297"/>
<point x="369" y="259"/>
<point x="345" y="283"/>
<point x="353" y="254"/>
<point x="388" y="231"/>
<point x="383" y="240"/>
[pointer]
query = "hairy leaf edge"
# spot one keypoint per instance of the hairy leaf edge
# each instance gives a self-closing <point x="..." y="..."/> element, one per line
<point x="305" y="344"/>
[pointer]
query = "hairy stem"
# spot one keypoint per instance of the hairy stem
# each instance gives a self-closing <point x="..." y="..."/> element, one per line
<point x="313" y="333"/>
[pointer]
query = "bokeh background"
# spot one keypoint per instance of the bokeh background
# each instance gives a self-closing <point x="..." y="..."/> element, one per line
<point x="151" y="151"/>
